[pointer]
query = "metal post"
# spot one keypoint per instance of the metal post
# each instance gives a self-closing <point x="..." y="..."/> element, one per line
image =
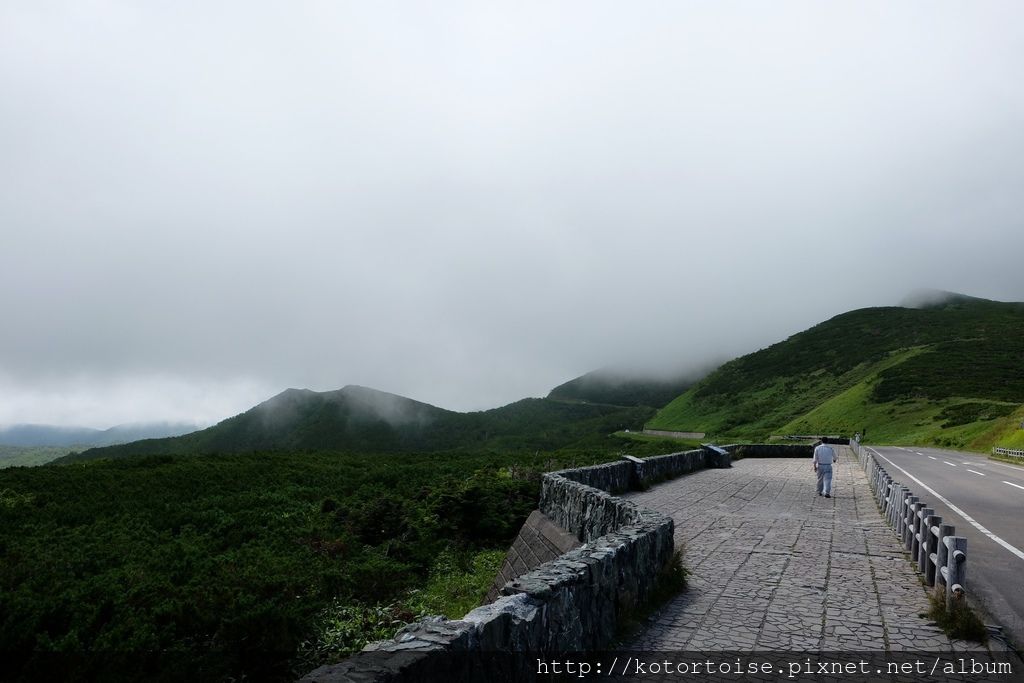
<point x="890" y="491"/>
<point x="890" y="502"/>
<point x="914" y="528"/>
<point x="908" y="522"/>
<point x="931" y="546"/>
<point x="942" y="559"/>
<point x="920" y="551"/>
<point x="956" y="569"/>
<point x="898" y="512"/>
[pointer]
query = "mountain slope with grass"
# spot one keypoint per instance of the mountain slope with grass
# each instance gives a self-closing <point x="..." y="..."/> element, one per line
<point x="949" y="371"/>
<point x="361" y="420"/>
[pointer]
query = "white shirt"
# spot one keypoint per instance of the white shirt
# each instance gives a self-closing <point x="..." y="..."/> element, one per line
<point x="824" y="455"/>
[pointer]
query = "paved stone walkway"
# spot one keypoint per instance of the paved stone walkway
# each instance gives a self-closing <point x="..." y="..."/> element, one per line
<point x="776" y="567"/>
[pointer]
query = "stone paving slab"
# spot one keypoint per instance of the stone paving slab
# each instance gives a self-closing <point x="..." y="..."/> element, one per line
<point x="776" y="567"/>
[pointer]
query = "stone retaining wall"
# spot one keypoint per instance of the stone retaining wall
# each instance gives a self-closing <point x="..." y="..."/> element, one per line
<point x="539" y="540"/>
<point x="573" y="603"/>
<point x="662" y="467"/>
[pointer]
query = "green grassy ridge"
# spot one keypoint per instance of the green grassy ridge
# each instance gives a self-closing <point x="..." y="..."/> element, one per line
<point x="901" y="367"/>
<point x="917" y="421"/>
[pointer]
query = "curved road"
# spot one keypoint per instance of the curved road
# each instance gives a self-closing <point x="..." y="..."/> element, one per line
<point x="984" y="499"/>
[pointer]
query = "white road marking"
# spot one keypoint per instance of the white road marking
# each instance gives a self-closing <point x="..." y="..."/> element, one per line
<point x="1009" y="467"/>
<point x="976" y="472"/>
<point x="949" y="463"/>
<point x="933" y="457"/>
<point x="1012" y="484"/>
<point x="1016" y="551"/>
<point x="965" y="462"/>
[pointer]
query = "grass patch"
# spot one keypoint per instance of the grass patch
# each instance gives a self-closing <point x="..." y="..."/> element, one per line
<point x="457" y="584"/>
<point x="960" y="623"/>
<point x="1013" y="434"/>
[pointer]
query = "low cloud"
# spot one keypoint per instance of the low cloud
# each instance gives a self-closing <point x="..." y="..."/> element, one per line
<point x="469" y="204"/>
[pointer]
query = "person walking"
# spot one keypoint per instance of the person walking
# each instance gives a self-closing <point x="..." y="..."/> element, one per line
<point x="824" y="456"/>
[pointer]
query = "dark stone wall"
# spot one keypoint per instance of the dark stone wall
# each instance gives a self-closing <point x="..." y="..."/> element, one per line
<point x="661" y="467"/>
<point x="572" y="603"/>
<point x="613" y="477"/>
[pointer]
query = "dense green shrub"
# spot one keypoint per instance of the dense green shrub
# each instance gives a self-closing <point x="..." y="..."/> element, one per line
<point x="965" y="413"/>
<point x="222" y="566"/>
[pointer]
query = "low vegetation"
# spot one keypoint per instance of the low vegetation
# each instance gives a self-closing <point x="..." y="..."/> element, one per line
<point x="960" y="623"/>
<point x="258" y="566"/>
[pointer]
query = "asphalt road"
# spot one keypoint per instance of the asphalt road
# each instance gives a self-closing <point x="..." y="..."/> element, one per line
<point x="984" y="499"/>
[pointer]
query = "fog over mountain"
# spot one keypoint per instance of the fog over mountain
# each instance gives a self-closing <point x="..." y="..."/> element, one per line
<point x="466" y="203"/>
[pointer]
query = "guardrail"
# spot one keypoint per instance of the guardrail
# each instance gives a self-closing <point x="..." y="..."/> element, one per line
<point x="936" y="551"/>
<point x="1011" y="452"/>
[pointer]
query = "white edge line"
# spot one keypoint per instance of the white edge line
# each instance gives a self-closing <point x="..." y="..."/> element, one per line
<point x="1015" y="468"/>
<point x="976" y="472"/>
<point x="949" y="463"/>
<point x="1012" y="484"/>
<point x="1016" y="551"/>
<point x="933" y="457"/>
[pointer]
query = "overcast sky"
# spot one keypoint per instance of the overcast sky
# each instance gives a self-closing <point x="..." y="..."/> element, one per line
<point x="467" y="203"/>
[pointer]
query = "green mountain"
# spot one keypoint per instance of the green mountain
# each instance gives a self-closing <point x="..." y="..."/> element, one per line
<point x="358" y="419"/>
<point x="949" y="371"/>
<point x="624" y="388"/>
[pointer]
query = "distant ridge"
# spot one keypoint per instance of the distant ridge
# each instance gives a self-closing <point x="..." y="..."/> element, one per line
<point x="625" y="388"/>
<point x="932" y="298"/>
<point x="363" y="420"/>
<point x="32" y="435"/>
